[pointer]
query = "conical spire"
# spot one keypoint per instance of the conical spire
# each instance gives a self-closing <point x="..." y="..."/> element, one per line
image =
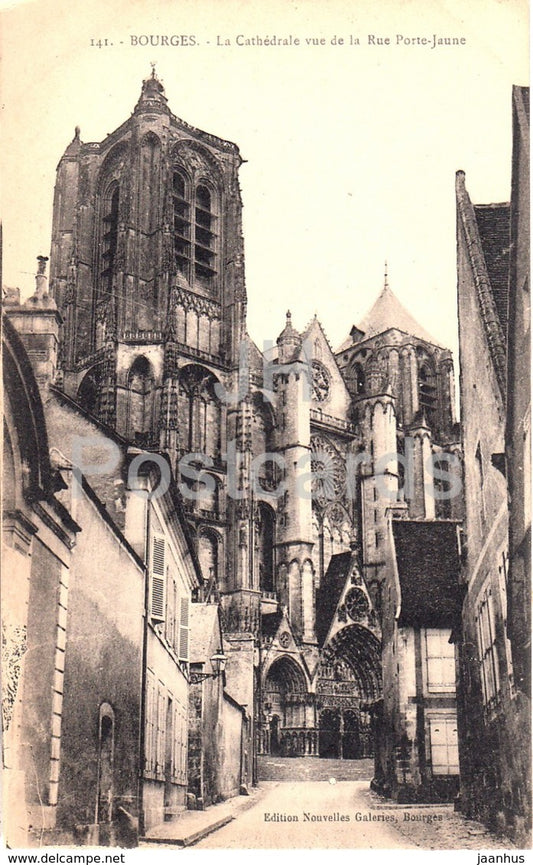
<point x="288" y="332"/>
<point x="289" y="340"/>
<point x="388" y="313"/>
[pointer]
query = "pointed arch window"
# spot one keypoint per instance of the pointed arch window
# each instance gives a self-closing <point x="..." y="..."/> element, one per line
<point x="149" y="181"/>
<point x="204" y="236"/>
<point x="109" y="238"/>
<point x="208" y="555"/>
<point x="266" y="539"/>
<point x="427" y="390"/>
<point x="140" y="400"/>
<point x="88" y="393"/>
<point x="182" y="223"/>
<point x="359" y="378"/>
<point x="106" y="753"/>
<point x="200" y="410"/>
<point x="195" y="237"/>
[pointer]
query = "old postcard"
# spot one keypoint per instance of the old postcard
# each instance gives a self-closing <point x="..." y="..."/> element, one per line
<point x="266" y="476"/>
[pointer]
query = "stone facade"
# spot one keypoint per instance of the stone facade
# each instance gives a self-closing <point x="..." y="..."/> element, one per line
<point x="38" y="535"/>
<point x="518" y="427"/>
<point x="494" y="708"/>
<point x="74" y="600"/>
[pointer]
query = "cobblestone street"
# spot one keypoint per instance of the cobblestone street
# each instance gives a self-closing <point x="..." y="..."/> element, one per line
<point x="331" y="806"/>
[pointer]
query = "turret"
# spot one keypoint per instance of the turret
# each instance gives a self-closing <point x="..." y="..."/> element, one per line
<point x="294" y="548"/>
<point x="37" y="321"/>
<point x="421" y="495"/>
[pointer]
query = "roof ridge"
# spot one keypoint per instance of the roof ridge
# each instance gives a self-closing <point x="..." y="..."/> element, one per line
<point x="389" y="313"/>
<point x="489" y="312"/>
<point x="324" y="334"/>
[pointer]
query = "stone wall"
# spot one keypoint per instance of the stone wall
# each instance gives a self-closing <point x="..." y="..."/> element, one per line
<point x="103" y="666"/>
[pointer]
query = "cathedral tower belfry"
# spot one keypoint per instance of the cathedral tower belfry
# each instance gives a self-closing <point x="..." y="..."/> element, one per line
<point x="146" y="248"/>
<point x="147" y="270"/>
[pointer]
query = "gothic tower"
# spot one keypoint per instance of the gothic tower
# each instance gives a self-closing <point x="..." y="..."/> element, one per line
<point x="147" y="272"/>
<point x="402" y="386"/>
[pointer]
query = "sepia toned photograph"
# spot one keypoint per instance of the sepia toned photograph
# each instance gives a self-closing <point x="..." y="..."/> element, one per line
<point x="266" y="478"/>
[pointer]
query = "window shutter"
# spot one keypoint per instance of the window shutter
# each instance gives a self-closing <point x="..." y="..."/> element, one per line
<point x="151" y="723"/>
<point x="440" y="660"/>
<point x="158" y="573"/>
<point x="176" y="741"/>
<point x="161" y="728"/>
<point x="492" y="627"/>
<point x="444" y="747"/>
<point x="184" y="629"/>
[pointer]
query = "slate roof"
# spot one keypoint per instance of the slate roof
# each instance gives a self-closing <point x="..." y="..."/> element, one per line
<point x="427" y="558"/>
<point x="327" y="596"/>
<point x="475" y="250"/>
<point x="493" y="221"/>
<point x="388" y="313"/>
<point x="203" y="622"/>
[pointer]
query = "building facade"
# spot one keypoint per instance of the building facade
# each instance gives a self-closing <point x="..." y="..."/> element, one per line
<point x="285" y="459"/>
<point x="37" y="539"/>
<point x="518" y="426"/>
<point x="219" y="726"/>
<point x="493" y="305"/>
<point x="415" y="723"/>
<point x="120" y="685"/>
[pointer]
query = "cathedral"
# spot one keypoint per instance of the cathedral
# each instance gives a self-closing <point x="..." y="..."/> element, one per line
<point x="291" y="461"/>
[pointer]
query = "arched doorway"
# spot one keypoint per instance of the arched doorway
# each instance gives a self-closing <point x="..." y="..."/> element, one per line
<point x="349" y="680"/>
<point x="329" y="733"/>
<point x="351" y="744"/>
<point x="275" y="745"/>
<point x="284" y="708"/>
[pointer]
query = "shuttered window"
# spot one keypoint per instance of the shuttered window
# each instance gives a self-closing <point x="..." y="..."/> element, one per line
<point x="440" y="660"/>
<point x="161" y="727"/>
<point x="150" y="756"/>
<point x="176" y="744"/>
<point x="179" y="760"/>
<point x="488" y="652"/>
<point x="158" y="573"/>
<point x="171" y="611"/>
<point x="184" y="630"/>
<point x="444" y="747"/>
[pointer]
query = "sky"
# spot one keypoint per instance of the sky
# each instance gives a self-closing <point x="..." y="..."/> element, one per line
<point x="351" y="149"/>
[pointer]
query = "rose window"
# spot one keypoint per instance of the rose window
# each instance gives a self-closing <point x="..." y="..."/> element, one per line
<point x="356" y="604"/>
<point x="328" y="472"/>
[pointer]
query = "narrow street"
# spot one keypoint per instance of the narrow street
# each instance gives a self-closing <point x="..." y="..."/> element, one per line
<point x="331" y="806"/>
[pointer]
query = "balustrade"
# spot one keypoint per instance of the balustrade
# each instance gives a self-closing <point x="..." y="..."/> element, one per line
<point x="289" y="742"/>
